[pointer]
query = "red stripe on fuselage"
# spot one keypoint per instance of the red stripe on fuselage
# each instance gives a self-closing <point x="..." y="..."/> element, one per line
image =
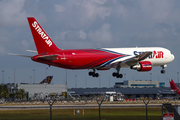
<point x="81" y="59"/>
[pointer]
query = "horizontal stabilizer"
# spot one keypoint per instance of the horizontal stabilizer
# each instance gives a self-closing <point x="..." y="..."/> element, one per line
<point x="20" y="55"/>
<point x="33" y="51"/>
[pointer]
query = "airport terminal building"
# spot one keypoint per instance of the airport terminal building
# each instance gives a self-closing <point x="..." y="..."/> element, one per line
<point x="128" y="89"/>
<point x="139" y="84"/>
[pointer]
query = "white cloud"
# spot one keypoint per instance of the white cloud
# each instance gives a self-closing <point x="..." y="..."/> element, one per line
<point x="95" y="8"/>
<point x="103" y="35"/>
<point x="82" y="34"/>
<point x="158" y="11"/>
<point x="59" y="8"/>
<point x="2" y="50"/>
<point x="82" y="12"/>
<point x="63" y="34"/>
<point x="25" y="44"/>
<point x="12" y="13"/>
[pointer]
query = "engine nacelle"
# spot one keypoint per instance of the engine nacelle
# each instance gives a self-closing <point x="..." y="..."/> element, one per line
<point x="142" y="66"/>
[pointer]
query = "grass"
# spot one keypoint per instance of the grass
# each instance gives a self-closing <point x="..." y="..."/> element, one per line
<point x="89" y="114"/>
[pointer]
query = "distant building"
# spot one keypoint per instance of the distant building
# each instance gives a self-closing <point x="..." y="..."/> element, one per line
<point x="139" y="84"/>
<point x="32" y="89"/>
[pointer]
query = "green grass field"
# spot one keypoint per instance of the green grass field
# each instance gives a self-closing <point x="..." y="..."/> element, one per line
<point x="89" y="114"/>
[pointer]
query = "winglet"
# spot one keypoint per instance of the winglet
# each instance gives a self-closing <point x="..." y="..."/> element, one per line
<point x="43" y="42"/>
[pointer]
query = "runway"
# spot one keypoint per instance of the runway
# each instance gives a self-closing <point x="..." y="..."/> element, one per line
<point x="77" y="106"/>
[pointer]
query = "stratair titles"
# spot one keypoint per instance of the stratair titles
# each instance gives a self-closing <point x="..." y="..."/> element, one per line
<point x="155" y="54"/>
<point x="43" y="35"/>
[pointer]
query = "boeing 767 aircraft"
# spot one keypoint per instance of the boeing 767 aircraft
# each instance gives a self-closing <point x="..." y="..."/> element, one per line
<point x="137" y="58"/>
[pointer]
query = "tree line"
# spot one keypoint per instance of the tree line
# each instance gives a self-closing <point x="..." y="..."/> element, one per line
<point x="5" y="93"/>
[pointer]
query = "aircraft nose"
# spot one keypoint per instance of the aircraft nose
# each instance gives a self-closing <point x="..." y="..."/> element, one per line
<point x="172" y="57"/>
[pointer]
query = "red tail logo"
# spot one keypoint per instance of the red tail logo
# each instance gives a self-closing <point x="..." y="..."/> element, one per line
<point x="43" y="42"/>
<point x="43" y="35"/>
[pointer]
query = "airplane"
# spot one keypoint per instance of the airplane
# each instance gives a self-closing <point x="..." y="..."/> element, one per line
<point x="47" y="80"/>
<point x="174" y="87"/>
<point x="137" y="58"/>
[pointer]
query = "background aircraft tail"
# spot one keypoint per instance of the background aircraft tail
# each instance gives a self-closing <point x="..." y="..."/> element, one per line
<point x="173" y="85"/>
<point x="48" y="80"/>
<point x="43" y="42"/>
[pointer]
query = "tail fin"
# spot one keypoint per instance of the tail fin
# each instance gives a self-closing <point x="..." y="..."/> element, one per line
<point x="48" y="80"/>
<point x="173" y="85"/>
<point x="43" y="42"/>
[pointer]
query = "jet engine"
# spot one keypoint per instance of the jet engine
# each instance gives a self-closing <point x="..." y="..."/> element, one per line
<point x="142" y="66"/>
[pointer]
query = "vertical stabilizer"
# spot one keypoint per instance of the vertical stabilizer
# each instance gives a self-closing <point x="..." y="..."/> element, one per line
<point x="43" y="42"/>
<point x="173" y="85"/>
<point x="47" y="80"/>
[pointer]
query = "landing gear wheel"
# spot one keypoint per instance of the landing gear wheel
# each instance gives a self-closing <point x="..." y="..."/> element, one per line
<point x="114" y="74"/>
<point x="96" y="75"/>
<point x="93" y="74"/>
<point x="120" y="75"/>
<point x="117" y="75"/>
<point x="162" y="71"/>
<point x="90" y="73"/>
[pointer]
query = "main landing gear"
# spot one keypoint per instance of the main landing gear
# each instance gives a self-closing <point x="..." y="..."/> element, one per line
<point x="163" y="71"/>
<point x="93" y="73"/>
<point x="117" y="75"/>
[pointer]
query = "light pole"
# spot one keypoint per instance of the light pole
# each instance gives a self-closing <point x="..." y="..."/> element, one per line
<point x="75" y="81"/>
<point x="34" y="75"/>
<point x="86" y="82"/>
<point x="46" y="72"/>
<point x="151" y="78"/>
<point x="14" y="76"/>
<point x="66" y="77"/>
<point x="99" y="82"/>
<point x="178" y="76"/>
<point x="109" y="82"/>
<point x="9" y="79"/>
<point x="30" y="79"/>
<point x="124" y="76"/>
<point x="3" y="76"/>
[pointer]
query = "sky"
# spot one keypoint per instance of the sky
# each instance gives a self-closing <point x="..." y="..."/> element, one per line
<point x="79" y="24"/>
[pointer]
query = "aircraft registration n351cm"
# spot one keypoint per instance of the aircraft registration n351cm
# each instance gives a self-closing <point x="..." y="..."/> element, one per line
<point x="138" y="58"/>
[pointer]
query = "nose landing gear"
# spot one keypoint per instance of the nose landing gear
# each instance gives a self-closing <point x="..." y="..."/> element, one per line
<point x="163" y="71"/>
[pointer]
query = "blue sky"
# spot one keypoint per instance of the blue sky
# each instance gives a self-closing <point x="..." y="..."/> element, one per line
<point x="76" y="24"/>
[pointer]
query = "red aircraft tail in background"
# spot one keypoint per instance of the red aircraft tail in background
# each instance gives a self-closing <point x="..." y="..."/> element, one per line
<point x="174" y="87"/>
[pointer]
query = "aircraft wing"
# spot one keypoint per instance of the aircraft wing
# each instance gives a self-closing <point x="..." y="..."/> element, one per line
<point x="133" y="60"/>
